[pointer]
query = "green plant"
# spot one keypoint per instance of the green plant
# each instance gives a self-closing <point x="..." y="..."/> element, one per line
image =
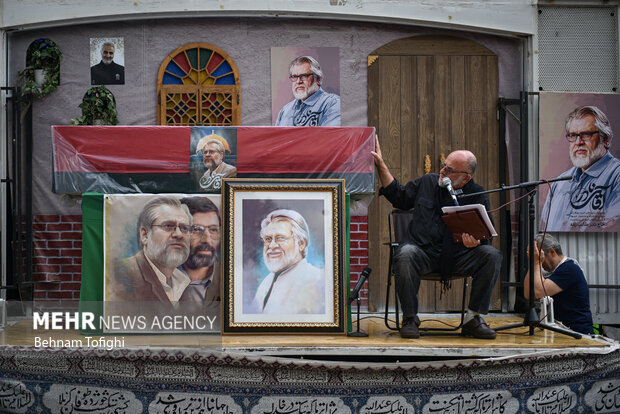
<point x="98" y="105"/>
<point x="41" y="54"/>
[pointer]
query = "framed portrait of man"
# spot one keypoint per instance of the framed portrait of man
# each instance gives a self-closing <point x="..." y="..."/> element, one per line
<point x="107" y="61"/>
<point x="162" y="263"/>
<point x="305" y="86"/>
<point x="213" y="157"/>
<point x="576" y="143"/>
<point x="283" y="256"/>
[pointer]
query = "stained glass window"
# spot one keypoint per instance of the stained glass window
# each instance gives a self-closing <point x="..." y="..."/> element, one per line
<point x="198" y="84"/>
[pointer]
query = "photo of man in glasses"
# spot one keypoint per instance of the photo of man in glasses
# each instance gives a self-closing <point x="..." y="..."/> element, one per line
<point x="152" y="275"/>
<point x="590" y="200"/>
<point x="202" y="264"/>
<point x="312" y="105"/>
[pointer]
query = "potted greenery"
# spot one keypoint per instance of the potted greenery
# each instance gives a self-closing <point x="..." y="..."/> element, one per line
<point x="98" y="108"/>
<point x="42" y="73"/>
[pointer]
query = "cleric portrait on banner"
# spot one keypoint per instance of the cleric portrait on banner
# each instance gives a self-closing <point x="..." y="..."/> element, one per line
<point x="576" y="141"/>
<point x="213" y="157"/>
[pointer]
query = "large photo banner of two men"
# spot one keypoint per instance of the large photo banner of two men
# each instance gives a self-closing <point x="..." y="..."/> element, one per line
<point x="576" y="141"/>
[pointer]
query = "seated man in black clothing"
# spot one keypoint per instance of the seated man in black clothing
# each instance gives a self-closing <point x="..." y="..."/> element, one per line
<point x="431" y="247"/>
<point x="566" y="283"/>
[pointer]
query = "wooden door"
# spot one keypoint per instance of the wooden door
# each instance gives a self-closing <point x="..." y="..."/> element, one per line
<point x="428" y="96"/>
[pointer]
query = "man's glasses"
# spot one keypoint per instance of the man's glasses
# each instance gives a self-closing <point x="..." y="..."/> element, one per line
<point x="171" y="227"/>
<point x="585" y="136"/>
<point x="303" y="77"/>
<point x="449" y="170"/>
<point x="214" y="231"/>
<point x="278" y="239"/>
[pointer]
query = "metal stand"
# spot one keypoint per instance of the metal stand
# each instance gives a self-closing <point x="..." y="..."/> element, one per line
<point x="531" y="319"/>
<point x="358" y="333"/>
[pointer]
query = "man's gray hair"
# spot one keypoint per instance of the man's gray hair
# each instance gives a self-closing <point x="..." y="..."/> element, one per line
<point x="298" y="223"/>
<point x="549" y="242"/>
<point x="600" y="121"/>
<point x="315" y="67"/>
<point x="107" y="44"/>
<point x="218" y="144"/>
<point x="149" y="213"/>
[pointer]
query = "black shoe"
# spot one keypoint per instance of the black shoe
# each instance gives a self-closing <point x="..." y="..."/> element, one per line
<point x="409" y="329"/>
<point x="478" y="328"/>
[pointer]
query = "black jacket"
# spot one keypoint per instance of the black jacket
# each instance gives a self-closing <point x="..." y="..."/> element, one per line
<point x="112" y="74"/>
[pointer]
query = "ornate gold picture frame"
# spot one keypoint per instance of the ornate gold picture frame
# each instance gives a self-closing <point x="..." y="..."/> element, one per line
<point x="283" y="256"/>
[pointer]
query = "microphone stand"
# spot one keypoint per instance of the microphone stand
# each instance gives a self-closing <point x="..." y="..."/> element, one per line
<point x="531" y="319"/>
<point x="358" y="333"/>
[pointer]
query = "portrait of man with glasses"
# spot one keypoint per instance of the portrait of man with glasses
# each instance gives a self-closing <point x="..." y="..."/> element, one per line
<point x="312" y="105"/>
<point x="293" y="286"/>
<point x="589" y="201"/>
<point x="153" y="274"/>
<point x="202" y="264"/>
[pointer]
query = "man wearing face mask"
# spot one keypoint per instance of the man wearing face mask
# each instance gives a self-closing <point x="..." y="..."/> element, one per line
<point x="431" y="247"/>
<point x="312" y="106"/>
<point x="107" y="72"/>
<point x="202" y="265"/>
<point x="294" y="286"/>
<point x="590" y="201"/>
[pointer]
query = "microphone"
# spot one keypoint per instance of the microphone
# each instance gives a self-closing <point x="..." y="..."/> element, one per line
<point x="360" y="282"/>
<point x="448" y="184"/>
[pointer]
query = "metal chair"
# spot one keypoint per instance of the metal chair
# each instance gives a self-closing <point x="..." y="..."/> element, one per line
<point x="398" y="222"/>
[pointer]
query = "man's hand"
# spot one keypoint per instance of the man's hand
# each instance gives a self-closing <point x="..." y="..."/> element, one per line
<point x="377" y="155"/>
<point x="470" y="241"/>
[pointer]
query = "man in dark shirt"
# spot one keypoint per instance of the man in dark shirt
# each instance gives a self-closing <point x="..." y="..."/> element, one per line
<point x="567" y="284"/>
<point x="107" y="72"/>
<point x="431" y="248"/>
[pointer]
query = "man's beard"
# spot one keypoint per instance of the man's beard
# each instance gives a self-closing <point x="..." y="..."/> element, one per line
<point x="281" y="263"/>
<point x="107" y="61"/>
<point x="590" y="158"/>
<point x="211" y="164"/>
<point x="198" y="259"/>
<point x="159" y="253"/>
<point x="306" y="92"/>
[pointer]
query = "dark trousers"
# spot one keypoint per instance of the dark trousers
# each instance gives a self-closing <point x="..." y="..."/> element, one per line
<point x="482" y="263"/>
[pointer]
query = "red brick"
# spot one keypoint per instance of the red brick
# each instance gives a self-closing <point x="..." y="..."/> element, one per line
<point x="70" y="286"/>
<point x="39" y="260"/>
<point x="77" y="260"/>
<point x="60" y="244"/>
<point x="363" y="227"/>
<point x="46" y="286"/>
<point x="71" y="235"/>
<point x="46" y="218"/>
<point x="363" y="260"/>
<point x="60" y="227"/>
<point x="353" y="227"/>
<point x="354" y="244"/>
<point x="71" y="268"/>
<point x="72" y="218"/>
<point x="358" y="253"/>
<point x="77" y="226"/>
<point x="39" y="227"/>
<point x="359" y="236"/>
<point x="38" y="277"/>
<point x="60" y="295"/>
<point x="47" y="269"/>
<point x="47" y="252"/>
<point x="356" y="269"/>
<point x="77" y="244"/>
<point x="77" y="277"/>
<point x="71" y="252"/>
<point x="60" y="260"/>
<point x="354" y="260"/>
<point x="39" y="295"/>
<point x="363" y="245"/>
<point x="62" y="277"/>
<point x="76" y="295"/>
<point x="359" y="219"/>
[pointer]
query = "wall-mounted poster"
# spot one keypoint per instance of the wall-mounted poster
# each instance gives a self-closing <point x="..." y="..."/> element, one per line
<point x="305" y="86"/>
<point x="107" y="61"/>
<point x="213" y="156"/>
<point x="576" y="140"/>
<point x="162" y="261"/>
<point x="283" y="261"/>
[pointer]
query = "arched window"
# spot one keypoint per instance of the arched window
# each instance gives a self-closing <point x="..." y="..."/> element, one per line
<point x="198" y="84"/>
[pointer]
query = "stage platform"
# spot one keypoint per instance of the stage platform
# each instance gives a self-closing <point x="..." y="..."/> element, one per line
<point x="322" y="374"/>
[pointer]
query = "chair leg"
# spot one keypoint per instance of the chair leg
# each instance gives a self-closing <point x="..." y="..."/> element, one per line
<point x="465" y="284"/>
<point x="387" y="297"/>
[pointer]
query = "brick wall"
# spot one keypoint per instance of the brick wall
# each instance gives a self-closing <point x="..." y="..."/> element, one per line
<point x="58" y="255"/>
